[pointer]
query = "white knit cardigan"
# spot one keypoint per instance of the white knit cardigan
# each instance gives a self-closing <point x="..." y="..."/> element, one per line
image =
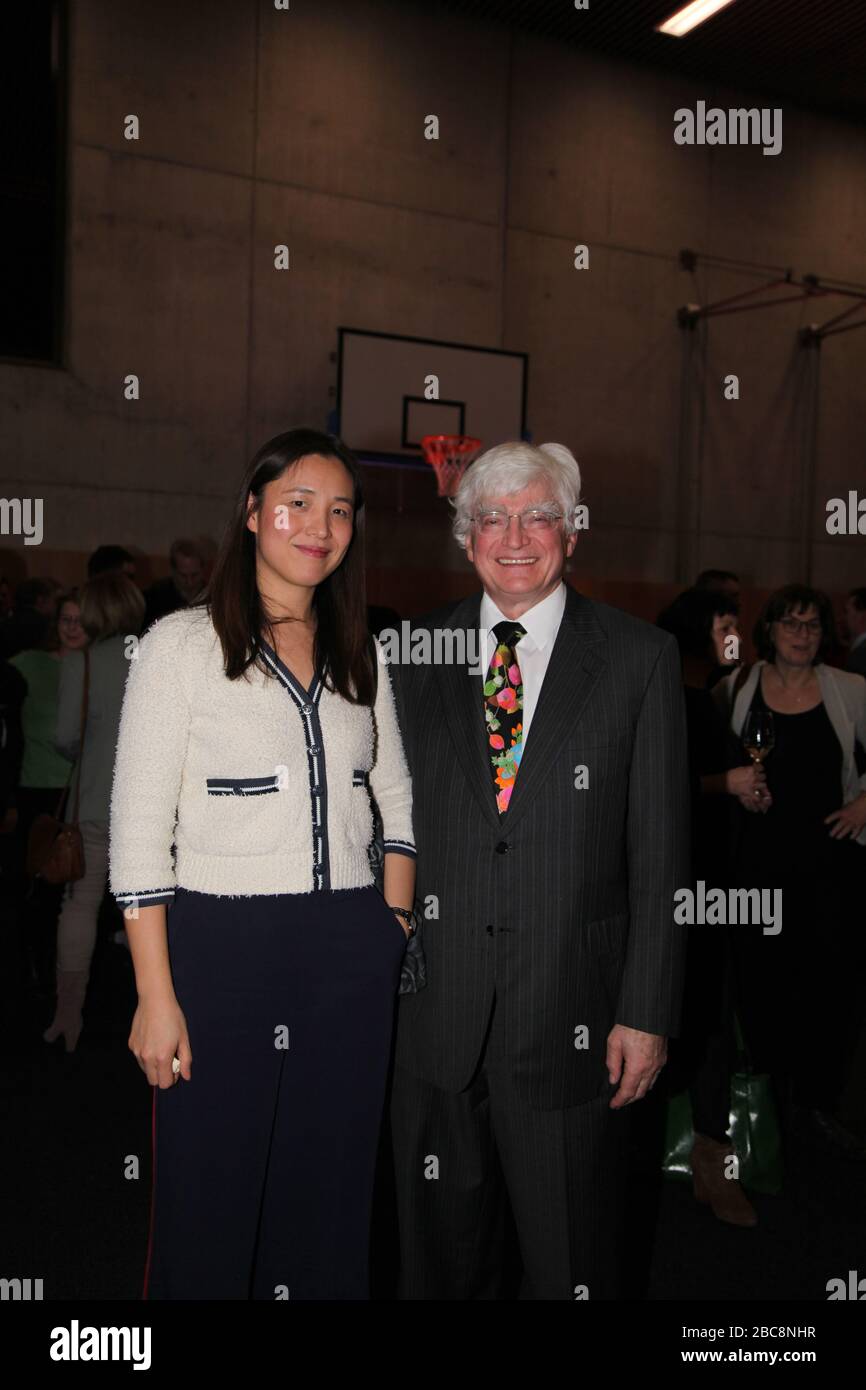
<point x="259" y="785"/>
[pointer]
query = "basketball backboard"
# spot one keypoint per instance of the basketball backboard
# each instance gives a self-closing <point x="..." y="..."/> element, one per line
<point x="392" y="390"/>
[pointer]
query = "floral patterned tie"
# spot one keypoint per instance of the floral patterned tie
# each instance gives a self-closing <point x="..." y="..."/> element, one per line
<point x="503" y="703"/>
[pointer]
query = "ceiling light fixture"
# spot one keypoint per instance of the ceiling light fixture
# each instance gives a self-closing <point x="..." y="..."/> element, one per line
<point x="690" y="16"/>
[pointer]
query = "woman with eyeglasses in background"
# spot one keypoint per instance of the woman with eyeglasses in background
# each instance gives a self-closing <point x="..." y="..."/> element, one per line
<point x="802" y="987"/>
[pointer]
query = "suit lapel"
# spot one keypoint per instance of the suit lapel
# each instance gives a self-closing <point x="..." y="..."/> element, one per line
<point x="576" y="662"/>
<point x="463" y="709"/>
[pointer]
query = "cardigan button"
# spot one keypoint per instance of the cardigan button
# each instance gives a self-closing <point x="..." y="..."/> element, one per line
<point x="306" y="709"/>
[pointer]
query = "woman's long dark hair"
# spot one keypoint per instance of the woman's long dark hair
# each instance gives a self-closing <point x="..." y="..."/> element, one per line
<point x="342" y="649"/>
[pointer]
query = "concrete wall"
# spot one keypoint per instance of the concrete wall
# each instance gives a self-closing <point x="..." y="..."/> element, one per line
<point x="261" y="126"/>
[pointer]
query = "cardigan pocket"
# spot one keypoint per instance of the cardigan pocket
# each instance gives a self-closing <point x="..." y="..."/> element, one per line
<point x="247" y="817"/>
<point x="242" y="786"/>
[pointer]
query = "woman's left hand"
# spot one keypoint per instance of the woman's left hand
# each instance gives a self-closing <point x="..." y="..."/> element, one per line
<point x="404" y="924"/>
<point x="850" y="820"/>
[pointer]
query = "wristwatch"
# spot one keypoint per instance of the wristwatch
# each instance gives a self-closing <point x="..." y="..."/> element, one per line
<point x="410" y="917"/>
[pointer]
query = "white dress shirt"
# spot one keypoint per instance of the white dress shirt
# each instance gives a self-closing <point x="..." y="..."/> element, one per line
<point x="533" y="650"/>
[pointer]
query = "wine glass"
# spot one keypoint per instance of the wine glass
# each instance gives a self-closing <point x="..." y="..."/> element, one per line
<point x="758" y="737"/>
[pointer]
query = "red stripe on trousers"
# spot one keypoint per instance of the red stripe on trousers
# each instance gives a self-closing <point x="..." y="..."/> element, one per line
<point x="152" y="1193"/>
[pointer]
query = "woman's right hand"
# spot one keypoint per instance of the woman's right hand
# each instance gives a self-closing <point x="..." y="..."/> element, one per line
<point x="749" y="786"/>
<point x="158" y="1034"/>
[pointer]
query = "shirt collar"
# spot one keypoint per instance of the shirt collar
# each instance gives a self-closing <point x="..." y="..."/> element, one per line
<point x="541" y="622"/>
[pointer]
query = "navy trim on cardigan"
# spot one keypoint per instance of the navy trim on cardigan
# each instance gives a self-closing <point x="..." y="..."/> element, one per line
<point x="241" y="786"/>
<point x="399" y="847"/>
<point x="307" y="704"/>
<point x="152" y="897"/>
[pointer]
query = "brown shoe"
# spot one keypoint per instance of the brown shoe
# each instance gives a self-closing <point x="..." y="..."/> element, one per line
<point x="725" y="1195"/>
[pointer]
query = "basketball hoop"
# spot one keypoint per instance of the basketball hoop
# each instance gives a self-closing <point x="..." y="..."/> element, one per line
<point x="450" y="455"/>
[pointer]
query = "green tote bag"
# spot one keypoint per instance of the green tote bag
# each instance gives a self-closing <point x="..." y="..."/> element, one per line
<point x="753" y="1126"/>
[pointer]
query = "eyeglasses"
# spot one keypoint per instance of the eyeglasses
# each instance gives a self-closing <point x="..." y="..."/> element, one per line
<point x="796" y="625"/>
<point x="535" y="520"/>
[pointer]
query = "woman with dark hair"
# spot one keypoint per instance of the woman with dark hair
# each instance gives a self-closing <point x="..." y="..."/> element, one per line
<point x="704" y="621"/>
<point x="251" y="728"/>
<point x="802" y="987"/>
<point x="111" y="614"/>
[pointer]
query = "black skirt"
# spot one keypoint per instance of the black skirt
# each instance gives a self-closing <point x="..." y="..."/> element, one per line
<point x="264" y="1161"/>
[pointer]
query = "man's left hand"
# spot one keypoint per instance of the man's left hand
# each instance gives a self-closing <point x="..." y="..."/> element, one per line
<point x="634" y="1059"/>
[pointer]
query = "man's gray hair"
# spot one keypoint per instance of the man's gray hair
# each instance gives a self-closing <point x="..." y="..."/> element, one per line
<point x="509" y="468"/>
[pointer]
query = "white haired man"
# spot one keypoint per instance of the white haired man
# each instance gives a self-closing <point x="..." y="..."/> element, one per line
<point x="550" y="800"/>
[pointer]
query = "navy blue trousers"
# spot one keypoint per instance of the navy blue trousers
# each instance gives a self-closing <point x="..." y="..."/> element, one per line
<point x="264" y="1161"/>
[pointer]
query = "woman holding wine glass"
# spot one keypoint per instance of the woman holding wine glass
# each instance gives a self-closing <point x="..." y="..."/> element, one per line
<point x="802" y="989"/>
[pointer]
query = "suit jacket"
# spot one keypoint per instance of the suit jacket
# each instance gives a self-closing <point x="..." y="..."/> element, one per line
<point x="564" y="905"/>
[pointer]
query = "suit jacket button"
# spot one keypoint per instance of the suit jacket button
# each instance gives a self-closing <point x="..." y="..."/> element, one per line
<point x="503" y="847"/>
<point x="489" y="930"/>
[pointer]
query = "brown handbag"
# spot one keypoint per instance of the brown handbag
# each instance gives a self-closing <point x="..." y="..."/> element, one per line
<point x="55" y="849"/>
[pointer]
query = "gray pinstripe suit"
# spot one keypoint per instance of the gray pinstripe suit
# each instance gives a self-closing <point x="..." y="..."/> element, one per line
<point x="559" y="913"/>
